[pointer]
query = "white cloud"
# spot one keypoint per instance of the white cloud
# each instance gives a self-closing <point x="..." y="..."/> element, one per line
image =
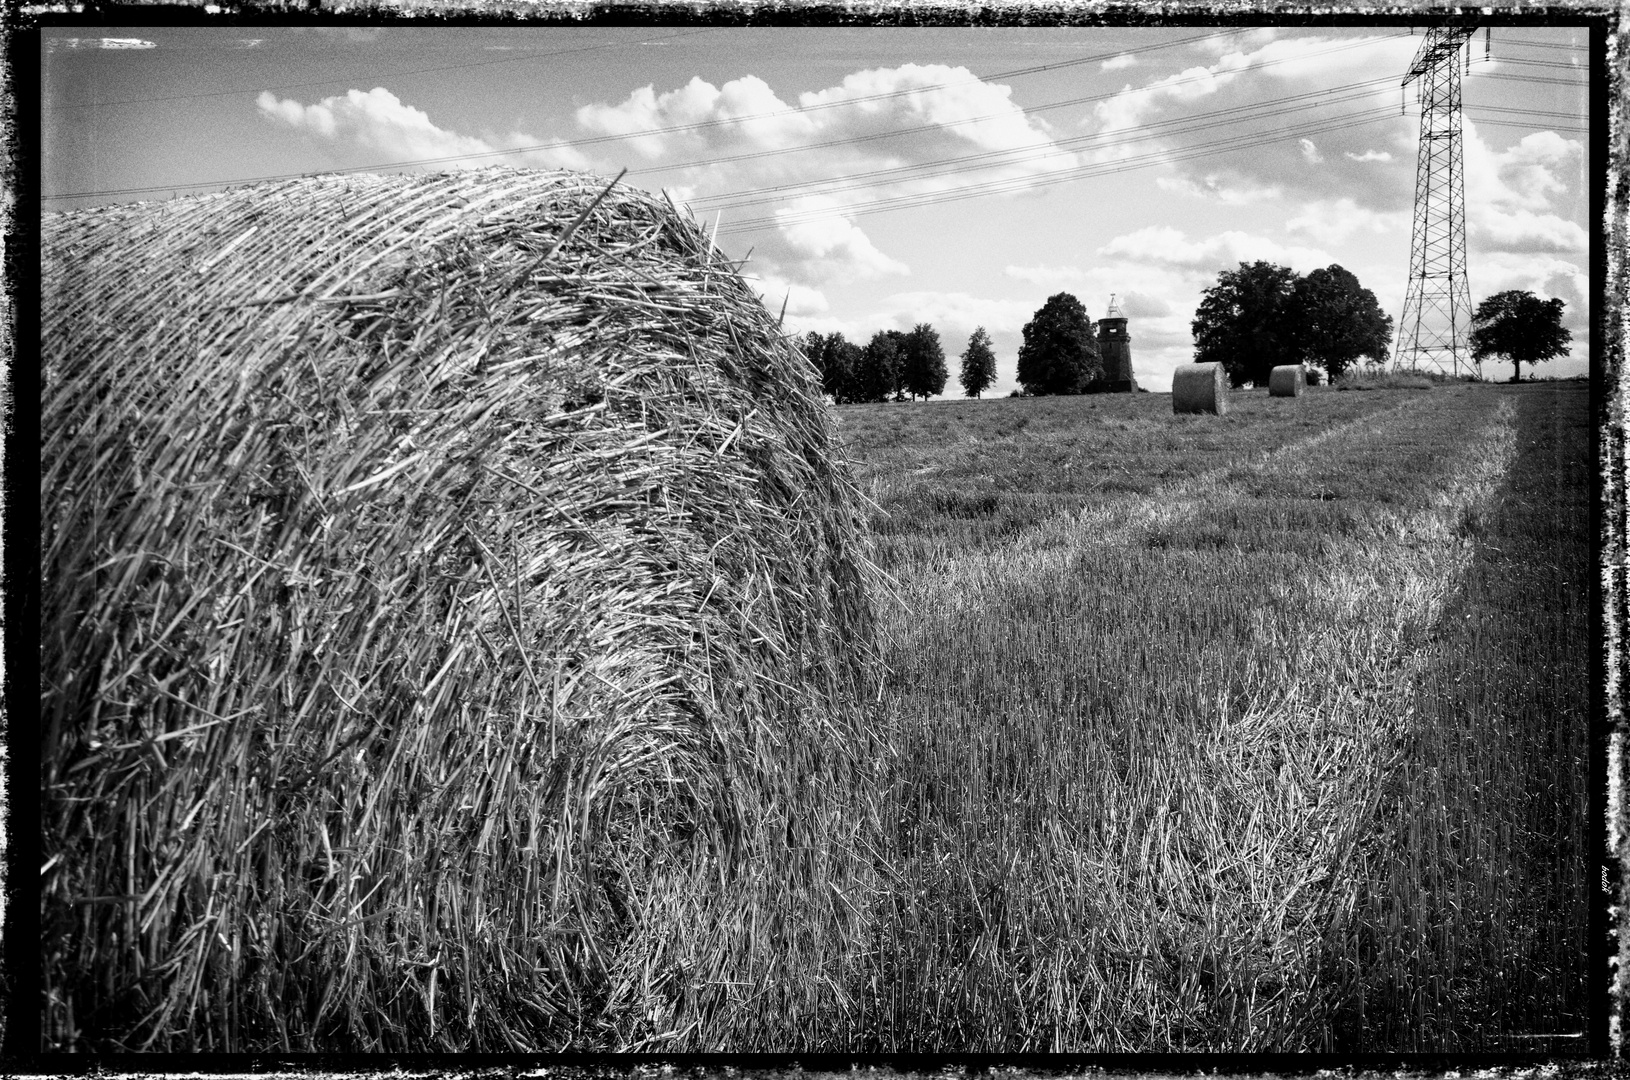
<point x="1171" y="114"/>
<point x="1525" y="231"/>
<point x="802" y="302"/>
<point x="1116" y="63"/>
<point x="379" y="121"/>
<point x="721" y="146"/>
<point x="1527" y="176"/>
<point x="1333" y="221"/>
<point x="1224" y="251"/>
<point x="953" y="314"/>
<point x="1213" y="188"/>
<point x="829" y="247"/>
<point x="1545" y="276"/>
<point x="744" y="111"/>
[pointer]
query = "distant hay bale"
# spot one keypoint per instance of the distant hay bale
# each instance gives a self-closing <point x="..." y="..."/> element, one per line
<point x="1200" y="388"/>
<point x="1287" y="380"/>
<point x="455" y="628"/>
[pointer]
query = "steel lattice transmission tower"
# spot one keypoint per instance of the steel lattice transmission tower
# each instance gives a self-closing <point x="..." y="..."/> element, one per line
<point x="1437" y="305"/>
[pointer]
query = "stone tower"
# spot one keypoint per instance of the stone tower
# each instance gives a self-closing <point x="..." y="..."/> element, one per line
<point x="1116" y="349"/>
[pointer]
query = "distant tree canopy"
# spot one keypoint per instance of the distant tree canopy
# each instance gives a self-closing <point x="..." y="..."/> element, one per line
<point x="893" y="364"/>
<point x="978" y="364"/>
<point x="839" y="364"/>
<point x="1519" y="326"/>
<point x="1059" y="354"/>
<point x="879" y="375"/>
<point x="1263" y="315"/>
<point x="1242" y="322"/>
<point x="922" y="362"/>
<point x="1334" y="320"/>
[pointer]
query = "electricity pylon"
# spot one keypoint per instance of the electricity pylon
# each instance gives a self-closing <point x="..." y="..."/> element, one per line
<point x="1437" y="305"/>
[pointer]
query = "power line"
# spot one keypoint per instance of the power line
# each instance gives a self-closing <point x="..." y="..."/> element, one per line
<point x="647" y="132"/>
<point x="720" y="121"/>
<point x="895" y="132"/>
<point x="1219" y="146"/>
<point x="1027" y="154"/>
<point x="1279" y="107"/>
<point x="853" y="181"/>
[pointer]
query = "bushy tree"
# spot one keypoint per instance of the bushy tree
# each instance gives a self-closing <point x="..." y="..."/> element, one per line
<point x="1242" y="322"/>
<point x="1059" y="354"/>
<point x="922" y="362"/>
<point x="850" y="359"/>
<point x="978" y="364"/>
<point x="878" y="377"/>
<point x="834" y="360"/>
<point x="1333" y="320"/>
<point x="1519" y="326"/>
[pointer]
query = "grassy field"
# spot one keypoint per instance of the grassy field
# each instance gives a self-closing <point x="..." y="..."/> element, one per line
<point x="1262" y="732"/>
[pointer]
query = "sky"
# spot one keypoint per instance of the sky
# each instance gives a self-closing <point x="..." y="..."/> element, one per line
<point x="880" y="177"/>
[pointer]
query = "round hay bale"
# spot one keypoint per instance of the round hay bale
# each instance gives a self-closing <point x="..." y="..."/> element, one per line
<point x="455" y="629"/>
<point x="1287" y="380"/>
<point x="1200" y="388"/>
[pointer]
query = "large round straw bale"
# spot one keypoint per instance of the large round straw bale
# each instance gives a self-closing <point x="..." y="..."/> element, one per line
<point x="455" y="628"/>
<point x="1200" y="388"/>
<point x="1287" y="380"/>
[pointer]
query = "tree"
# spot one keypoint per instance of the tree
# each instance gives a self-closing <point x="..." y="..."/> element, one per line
<point x="814" y="347"/>
<point x="978" y="364"/>
<point x="1060" y="350"/>
<point x="1519" y="326"/>
<point x="1241" y="322"/>
<point x="836" y="360"/>
<point x="1332" y="320"/>
<point x="922" y="362"/>
<point x="850" y="359"/>
<point x="878" y="376"/>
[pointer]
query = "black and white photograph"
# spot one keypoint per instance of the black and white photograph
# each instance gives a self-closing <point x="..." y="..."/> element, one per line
<point x="1010" y="532"/>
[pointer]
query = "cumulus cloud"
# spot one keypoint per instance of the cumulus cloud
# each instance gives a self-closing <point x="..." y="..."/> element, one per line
<point x="1333" y="221"/>
<point x="803" y="304"/>
<point x="699" y="117"/>
<point x="953" y="314"/>
<point x="1224" y="251"/>
<point x="1139" y="305"/>
<point x="1142" y="288"/>
<point x="1235" y="86"/>
<point x="829" y="247"/>
<point x="378" y="121"/>
<point x="1523" y="231"/>
<point x="1526" y="176"/>
<point x="1215" y="188"/>
<point x="735" y="147"/>
<point x="1116" y="63"/>
<point x="1545" y="276"/>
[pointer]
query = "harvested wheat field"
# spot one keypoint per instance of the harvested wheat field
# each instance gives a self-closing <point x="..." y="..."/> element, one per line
<point x="455" y="632"/>
<point x="1259" y="732"/>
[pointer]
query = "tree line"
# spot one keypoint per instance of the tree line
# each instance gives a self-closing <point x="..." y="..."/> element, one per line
<point x="1059" y="355"/>
<point x="896" y="364"/>
<point x="1256" y="318"/>
<point x="1263" y="315"/>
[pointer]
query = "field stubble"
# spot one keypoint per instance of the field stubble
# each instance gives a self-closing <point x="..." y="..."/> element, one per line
<point x="1170" y="697"/>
